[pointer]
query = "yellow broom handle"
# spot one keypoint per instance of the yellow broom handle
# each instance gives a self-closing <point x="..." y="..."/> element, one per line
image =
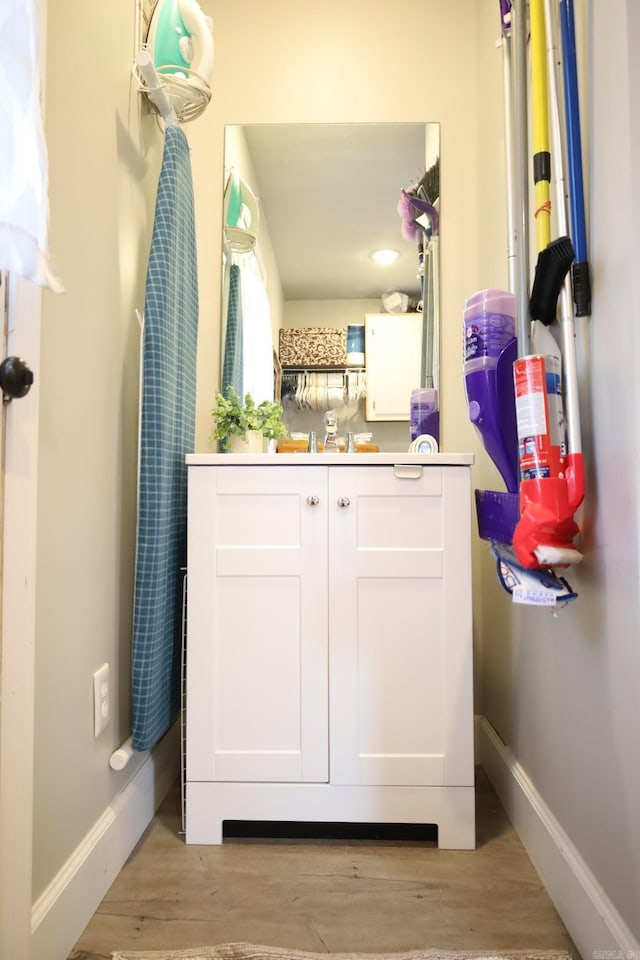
<point x="541" y="156"/>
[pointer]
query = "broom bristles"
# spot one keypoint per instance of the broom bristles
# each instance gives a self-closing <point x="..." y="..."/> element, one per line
<point x="429" y="184"/>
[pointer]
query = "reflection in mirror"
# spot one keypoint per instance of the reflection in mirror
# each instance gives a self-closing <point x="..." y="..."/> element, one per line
<point x="305" y="207"/>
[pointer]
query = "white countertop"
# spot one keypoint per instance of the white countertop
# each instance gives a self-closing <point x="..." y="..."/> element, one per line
<point x="327" y="459"/>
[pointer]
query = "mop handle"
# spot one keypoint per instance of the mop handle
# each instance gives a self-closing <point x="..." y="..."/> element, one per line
<point x="572" y="411"/>
<point x="521" y="180"/>
<point x="505" y="14"/>
<point x="581" y="281"/>
<point x="507" y="84"/>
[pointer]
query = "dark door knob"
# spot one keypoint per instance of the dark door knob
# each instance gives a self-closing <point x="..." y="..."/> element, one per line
<point x="16" y="378"/>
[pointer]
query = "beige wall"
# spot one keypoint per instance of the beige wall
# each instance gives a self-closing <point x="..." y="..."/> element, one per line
<point x="103" y="169"/>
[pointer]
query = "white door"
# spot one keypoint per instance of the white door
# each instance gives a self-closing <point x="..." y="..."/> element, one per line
<point x="394" y="352"/>
<point x="18" y="506"/>
<point x="400" y="626"/>
<point x="257" y="628"/>
<point x="20" y="310"/>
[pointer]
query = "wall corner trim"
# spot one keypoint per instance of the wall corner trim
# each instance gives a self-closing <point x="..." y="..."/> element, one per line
<point x="584" y="907"/>
<point x="63" y="910"/>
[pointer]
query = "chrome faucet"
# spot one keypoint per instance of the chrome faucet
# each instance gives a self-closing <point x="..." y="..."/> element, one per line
<point x="330" y="432"/>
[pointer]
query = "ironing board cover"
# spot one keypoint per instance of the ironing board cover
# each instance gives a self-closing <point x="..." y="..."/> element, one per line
<point x="166" y="435"/>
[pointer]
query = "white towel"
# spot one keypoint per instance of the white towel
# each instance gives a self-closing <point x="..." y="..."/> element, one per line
<point x="24" y="208"/>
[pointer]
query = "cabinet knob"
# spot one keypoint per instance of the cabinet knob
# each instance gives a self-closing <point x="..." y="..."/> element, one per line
<point x="343" y="502"/>
<point x="313" y="501"/>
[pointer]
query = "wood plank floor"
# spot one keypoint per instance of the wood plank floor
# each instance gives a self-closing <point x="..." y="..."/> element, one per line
<point x="327" y="896"/>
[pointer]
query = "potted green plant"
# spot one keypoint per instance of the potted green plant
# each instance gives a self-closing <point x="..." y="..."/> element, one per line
<point x="241" y="425"/>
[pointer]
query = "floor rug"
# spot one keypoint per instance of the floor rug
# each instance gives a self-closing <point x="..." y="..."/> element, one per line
<point x="252" y="951"/>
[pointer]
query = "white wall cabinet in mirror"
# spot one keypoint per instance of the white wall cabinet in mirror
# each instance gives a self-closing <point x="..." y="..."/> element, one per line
<point x="328" y="197"/>
<point x="394" y="364"/>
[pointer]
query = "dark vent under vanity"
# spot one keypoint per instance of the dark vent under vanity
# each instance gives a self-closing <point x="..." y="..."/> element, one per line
<point x="303" y="830"/>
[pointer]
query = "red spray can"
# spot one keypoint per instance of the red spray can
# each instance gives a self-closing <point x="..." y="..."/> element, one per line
<point x="540" y="417"/>
<point x="544" y="534"/>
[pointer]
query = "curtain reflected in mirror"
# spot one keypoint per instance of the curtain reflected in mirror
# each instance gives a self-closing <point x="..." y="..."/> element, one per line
<point x="247" y="354"/>
<point x="305" y="208"/>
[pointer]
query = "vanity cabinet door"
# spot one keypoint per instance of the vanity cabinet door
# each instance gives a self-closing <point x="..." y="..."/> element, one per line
<point x="400" y="626"/>
<point x="257" y="624"/>
<point x="393" y="344"/>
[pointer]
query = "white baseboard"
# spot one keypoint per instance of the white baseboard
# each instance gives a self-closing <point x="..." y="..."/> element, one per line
<point x="62" y="912"/>
<point x="596" y="927"/>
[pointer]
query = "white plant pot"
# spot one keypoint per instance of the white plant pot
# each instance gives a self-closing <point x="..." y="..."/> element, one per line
<point x="252" y="443"/>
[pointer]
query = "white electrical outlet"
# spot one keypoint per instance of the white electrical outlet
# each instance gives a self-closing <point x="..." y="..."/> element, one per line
<point x="100" y="699"/>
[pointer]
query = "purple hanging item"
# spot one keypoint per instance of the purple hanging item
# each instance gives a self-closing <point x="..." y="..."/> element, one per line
<point x="498" y="513"/>
<point x="424" y="417"/>
<point x="505" y="14"/>
<point x="490" y="349"/>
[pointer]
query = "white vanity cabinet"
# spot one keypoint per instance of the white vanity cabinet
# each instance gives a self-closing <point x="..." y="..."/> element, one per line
<point x="329" y="663"/>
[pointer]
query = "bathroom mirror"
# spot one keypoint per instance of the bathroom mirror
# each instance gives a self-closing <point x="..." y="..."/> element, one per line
<point x="328" y="198"/>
